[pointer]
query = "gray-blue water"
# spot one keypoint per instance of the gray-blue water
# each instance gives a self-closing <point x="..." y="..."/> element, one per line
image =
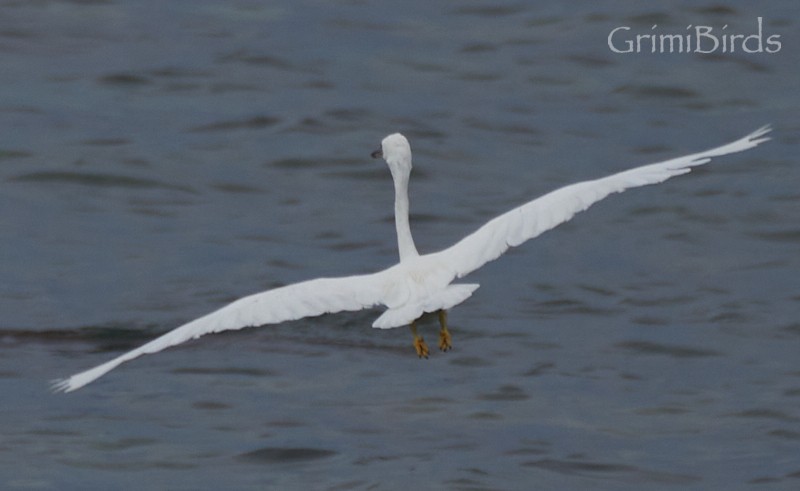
<point x="159" y="159"/>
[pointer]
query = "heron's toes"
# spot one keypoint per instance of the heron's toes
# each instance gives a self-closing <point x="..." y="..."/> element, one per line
<point x="445" y="340"/>
<point x="421" y="347"/>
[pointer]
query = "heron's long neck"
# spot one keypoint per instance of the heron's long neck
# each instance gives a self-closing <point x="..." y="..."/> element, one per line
<point x="405" y="242"/>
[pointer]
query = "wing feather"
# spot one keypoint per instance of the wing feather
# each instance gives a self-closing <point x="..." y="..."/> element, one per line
<point x="537" y="216"/>
<point x="291" y="302"/>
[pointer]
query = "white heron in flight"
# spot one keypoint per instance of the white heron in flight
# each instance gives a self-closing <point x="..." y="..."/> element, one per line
<point x="418" y="284"/>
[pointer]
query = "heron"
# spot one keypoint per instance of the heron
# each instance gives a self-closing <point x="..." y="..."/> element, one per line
<point x="419" y="284"/>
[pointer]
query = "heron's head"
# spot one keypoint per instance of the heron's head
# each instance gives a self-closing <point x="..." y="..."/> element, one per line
<point x="396" y="151"/>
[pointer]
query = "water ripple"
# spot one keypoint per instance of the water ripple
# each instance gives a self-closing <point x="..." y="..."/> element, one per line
<point x="674" y="351"/>
<point x="610" y="470"/>
<point x="253" y="123"/>
<point x="96" y="179"/>
<point x="285" y="455"/>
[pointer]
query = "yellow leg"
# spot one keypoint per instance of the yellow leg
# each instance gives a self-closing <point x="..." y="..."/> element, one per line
<point x="419" y="343"/>
<point x="445" y="340"/>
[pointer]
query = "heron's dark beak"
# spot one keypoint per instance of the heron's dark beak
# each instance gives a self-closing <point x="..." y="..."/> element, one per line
<point x="377" y="154"/>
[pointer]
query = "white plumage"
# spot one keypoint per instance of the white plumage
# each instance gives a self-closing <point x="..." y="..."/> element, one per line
<point x="417" y="284"/>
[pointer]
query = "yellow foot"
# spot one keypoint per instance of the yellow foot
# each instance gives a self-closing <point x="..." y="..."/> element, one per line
<point x="421" y="347"/>
<point x="445" y="340"/>
<point x="419" y="343"/>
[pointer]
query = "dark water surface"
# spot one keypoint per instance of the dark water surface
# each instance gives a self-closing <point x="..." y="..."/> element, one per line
<point x="159" y="159"/>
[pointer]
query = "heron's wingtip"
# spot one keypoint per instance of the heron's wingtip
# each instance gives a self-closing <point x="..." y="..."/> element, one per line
<point x="60" y="385"/>
<point x="758" y="137"/>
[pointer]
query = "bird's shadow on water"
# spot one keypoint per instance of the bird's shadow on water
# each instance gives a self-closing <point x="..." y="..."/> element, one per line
<point x="306" y="336"/>
<point x="109" y="338"/>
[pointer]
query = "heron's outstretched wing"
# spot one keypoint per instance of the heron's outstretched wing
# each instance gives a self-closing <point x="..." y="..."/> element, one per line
<point x="537" y="216"/>
<point x="306" y="299"/>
